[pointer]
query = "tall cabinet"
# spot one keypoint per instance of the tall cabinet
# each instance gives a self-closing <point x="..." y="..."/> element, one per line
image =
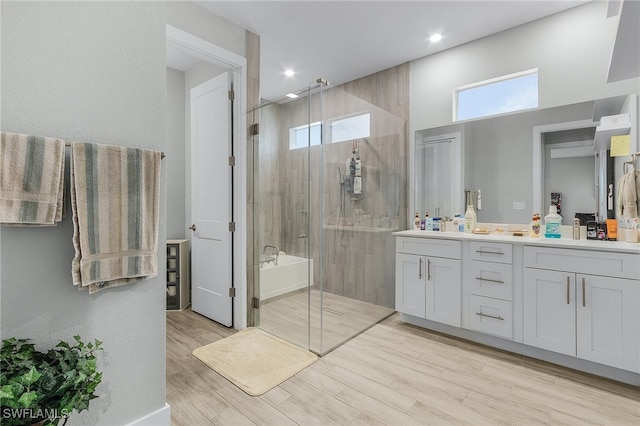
<point x="178" y="281"/>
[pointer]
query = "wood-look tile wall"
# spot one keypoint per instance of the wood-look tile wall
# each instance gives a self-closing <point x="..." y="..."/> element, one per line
<point x="253" y="100"/>
<point x="353" y="236"/>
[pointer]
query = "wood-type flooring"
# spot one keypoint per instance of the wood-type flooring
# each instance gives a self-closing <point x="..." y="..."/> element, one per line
<point x="393" y="374"/>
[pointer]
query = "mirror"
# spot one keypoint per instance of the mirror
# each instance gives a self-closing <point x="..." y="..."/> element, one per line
<point x="496" y="156"/>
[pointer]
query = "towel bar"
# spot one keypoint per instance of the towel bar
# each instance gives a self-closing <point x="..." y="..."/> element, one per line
<point x="68" y="145"/>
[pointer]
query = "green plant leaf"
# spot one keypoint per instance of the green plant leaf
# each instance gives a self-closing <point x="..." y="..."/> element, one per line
<point x="31" y="377"/>
<point x="26" y="400"/>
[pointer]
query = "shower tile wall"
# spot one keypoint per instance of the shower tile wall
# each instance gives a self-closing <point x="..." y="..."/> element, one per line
<point x="253" y="99"/>
<point x="358" y="248"/>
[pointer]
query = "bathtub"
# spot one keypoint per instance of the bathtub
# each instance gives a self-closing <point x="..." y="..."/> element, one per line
<point x="292" y="273"/>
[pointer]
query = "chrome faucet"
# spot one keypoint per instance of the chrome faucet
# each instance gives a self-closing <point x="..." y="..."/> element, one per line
<point x="264" y="250"/>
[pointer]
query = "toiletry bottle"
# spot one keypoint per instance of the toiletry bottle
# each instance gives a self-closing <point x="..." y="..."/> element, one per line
<point x="534" y="231"/>
<point x="460" y="223"/>
<point x="416" y="222"/>
<point x="456" y="223"/>
<point x="470" y="219"/>
<point x="437" y="222"/>
<point x="576" y="228"/>
<point x="552" y="223"/>
<point x="428" y="222"/>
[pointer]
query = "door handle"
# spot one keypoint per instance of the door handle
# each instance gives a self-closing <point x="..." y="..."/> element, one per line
<point x="584" y="297"/>
<point x="193" y="228"/>
<point x="420" y="269"/>
<point x="428" y="269"/>
<point x="568" y="290"/>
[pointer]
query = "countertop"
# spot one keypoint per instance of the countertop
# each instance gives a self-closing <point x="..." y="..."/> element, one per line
<point x="611" y="246"/>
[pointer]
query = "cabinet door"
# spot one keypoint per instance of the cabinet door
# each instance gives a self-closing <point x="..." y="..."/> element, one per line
<point x="410" y="284"/>
<point x="549" y="316"/>
<point x="608" y="321"/>
<point x="444" y="283"/>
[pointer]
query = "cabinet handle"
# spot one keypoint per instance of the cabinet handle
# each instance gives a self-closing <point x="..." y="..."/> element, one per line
<point x="489" y="252"/>
<point x="489" y="316"/>
<point x="584" y="297"/>
<point x="420" y="269"/>
<point x="428" y="269"/>
<point x="490" y="280"/>
<point x="568" y="290"/>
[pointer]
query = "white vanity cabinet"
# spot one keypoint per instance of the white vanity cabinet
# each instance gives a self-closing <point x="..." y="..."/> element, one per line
<point x="428" y="279"/>
<point x="583" y="303"/>
<point x="490" y="283"/>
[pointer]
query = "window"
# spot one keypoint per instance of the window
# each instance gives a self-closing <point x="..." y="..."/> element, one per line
<point x="510" y="93"/>
<point x="304" y="136"/>
<point x="342" y="129"/>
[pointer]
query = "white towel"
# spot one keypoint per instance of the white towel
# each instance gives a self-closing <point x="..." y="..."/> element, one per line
<point x="115" y="194"/>
<point x="627" y="194"/>
<point x="31" y="179"/>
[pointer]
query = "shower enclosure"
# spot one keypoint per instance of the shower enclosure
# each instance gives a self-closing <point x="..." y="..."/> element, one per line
<point x="329" y="190"/>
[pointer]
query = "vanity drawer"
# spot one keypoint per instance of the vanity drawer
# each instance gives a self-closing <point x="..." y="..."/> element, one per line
<point x="492" y="316"/>
<point x="491" y="279"/>
<point x="491" y="252"/>
<point x="429" y="247"/>
<point x="621" y="265"/>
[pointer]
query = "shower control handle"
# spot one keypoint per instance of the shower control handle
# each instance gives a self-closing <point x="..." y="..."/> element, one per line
<point x="193" y="228"/>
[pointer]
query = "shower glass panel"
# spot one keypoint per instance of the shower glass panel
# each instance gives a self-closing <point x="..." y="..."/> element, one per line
<point x="330" y="190"/>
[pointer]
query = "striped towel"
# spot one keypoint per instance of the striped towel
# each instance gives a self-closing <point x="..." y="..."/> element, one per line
<point x="115" y="194"/>
<point x="31" y="179"/>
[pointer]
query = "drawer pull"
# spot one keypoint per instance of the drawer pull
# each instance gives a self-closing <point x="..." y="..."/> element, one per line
<point x="489" y="316"/>
<point x="584" y="297"/>
<point x="420" y="269"/>
<point x="428" y="269"/>
<point x="490" y="280"/>
<point x="489" y="252"/>
<point x="568" y="290"/>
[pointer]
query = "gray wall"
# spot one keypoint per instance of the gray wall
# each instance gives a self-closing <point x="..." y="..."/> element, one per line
<point x="175" y="161"/>
<point x="93" y="72"/>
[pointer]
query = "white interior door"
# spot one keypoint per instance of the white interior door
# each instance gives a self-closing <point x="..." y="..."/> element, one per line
<point x="211" y="200"/>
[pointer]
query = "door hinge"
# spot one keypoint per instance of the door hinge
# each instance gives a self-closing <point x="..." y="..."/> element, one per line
<point x="232" y="292"/>
<point x="232" y="227"/>
<point x="232" y="161"/>
<point x="255" y="303"/>
<point x="232" y="95"/>
<point x="254" y="129"/>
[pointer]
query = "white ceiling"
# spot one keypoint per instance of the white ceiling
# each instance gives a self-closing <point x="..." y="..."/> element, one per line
<point x="341" y="41"/>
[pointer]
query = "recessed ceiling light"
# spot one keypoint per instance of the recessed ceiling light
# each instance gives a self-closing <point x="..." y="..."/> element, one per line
<point x="292" y="95"/>
<point x="289" y="73"/>
<point x="435" y="38"/>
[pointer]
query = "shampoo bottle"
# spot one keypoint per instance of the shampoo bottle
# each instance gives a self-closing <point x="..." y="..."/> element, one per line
<point x="416" y="222"/>
<point x="552" y="223"/>
<point x="470" y="219"/>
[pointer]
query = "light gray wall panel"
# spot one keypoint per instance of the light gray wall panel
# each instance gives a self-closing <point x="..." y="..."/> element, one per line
<point x="92" y="72"/>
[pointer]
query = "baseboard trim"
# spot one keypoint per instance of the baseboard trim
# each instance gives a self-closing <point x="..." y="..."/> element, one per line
<point x="160" y="417"/>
